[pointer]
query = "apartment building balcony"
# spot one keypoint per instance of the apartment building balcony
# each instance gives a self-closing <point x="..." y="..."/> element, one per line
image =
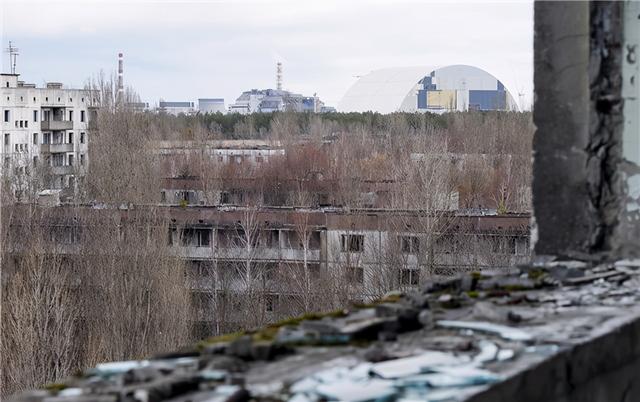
<point x="191" y="252"/>
<point x="56" y="125"/>
<point x="62" y="170"/>
<point x="56" y="148"/>
<point x="240" y="253"/>
<point x="298" y="255"/>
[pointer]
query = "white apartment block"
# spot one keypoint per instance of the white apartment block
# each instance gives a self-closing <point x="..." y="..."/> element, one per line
<point x="44" y="127"/>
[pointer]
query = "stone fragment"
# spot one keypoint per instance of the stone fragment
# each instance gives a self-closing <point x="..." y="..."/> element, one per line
<point x="357" y="391"/>
<point x="418" y="300"/>
<point x="449" y="301"/>
<point x="115" y="368"/>
<point x="142" y="375"/>
<point x="368" y="329"/>
<point x="70" y="392"/>
<point x="213" y="375"/>
<point x="425" y="318"/>
<point x="407" y="366"/>
<point x="449" y="343"/>
<point x="489" y="312"/>
<point x="387" y="336"/>
<point x="505" y="354"/>
<point x="241" y="347"/>
<point x="630" y="263"/>
<point x="488" y="351"/>
<point x="226" y="363"/>
<point x="406" y="315"/>
<point x="267" y="351"/>
<point x="590" y="278"/>
<point x="508" y="333"/>
<point x="241" y="395"/>
<point x="320" y="326"/>
<point x="376" y="353"/>
<point x="468" y="283"/>
<point x="561" y="273"/>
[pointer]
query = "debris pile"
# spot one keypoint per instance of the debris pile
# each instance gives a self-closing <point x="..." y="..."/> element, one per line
<point x="447" y="342"/>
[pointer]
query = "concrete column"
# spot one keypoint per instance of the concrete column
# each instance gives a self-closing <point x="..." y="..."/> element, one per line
<point x="563" y="223"/>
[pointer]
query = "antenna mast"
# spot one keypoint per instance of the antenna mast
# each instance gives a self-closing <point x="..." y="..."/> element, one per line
<point x="13" y="56"/>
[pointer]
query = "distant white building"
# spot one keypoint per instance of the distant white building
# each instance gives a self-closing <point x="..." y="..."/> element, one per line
<point x="274" y="100"/>
<point x="211" y="105"/>
<point x="176" y="108"/>
<point x="44" y="126"/>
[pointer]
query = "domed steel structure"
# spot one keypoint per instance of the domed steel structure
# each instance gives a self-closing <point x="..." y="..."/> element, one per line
<point x="427" y="89"/>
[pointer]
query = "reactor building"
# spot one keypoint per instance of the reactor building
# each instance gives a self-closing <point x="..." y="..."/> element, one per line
<point x="427" y="89"/>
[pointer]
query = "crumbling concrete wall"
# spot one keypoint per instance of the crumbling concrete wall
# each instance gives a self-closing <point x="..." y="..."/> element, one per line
<point x="603" y="368"/>
<point x="578" y="190"/>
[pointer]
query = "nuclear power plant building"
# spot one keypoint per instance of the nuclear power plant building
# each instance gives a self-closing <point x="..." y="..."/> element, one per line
<point x="427" y="89"/>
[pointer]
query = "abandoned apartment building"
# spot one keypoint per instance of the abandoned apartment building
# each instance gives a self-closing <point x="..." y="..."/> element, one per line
<point x="44" y="128"/>
<point x="256" y="172"/>
<point x="369" y="252"/>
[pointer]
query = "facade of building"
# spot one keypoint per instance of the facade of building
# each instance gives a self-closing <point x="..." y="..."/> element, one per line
<point x="211" y="105"/>
<point x="274" y="100"/>
<point x="176" y="108"/>
<point x="427" y="89"/>
<point x="44" y="127"/>
<point x="359" y="253"/>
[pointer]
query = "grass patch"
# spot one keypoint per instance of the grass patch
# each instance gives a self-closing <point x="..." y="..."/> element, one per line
<point x="55" y="387"/>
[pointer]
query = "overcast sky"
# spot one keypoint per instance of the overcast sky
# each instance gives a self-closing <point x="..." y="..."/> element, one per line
<point x="184" y="50"/>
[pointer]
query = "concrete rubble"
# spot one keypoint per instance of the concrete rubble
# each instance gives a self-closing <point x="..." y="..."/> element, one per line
<point x="453" y="340"/>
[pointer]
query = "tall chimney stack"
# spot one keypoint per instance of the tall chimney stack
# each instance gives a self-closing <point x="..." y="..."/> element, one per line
<point x="279" y="76"/>
<point x="120" y="77"/>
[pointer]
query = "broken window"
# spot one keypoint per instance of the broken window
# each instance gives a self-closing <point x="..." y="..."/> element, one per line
<point x="57" y="160"/>
<point x="410" y="244"/>
<point x="409" y="277"/>
<point x="196" y="237"/>
<point x="65" y="234"/>
<point x="172" y="234"/>
<point x="270" y="301"/>
<point x="271" y="238"/>
<point x="352" y="243"/>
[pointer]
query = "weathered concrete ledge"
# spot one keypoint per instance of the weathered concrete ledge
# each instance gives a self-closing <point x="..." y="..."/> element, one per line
<point x="560" y="331"/>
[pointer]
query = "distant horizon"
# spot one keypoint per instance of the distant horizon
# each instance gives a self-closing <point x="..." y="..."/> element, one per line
<point x="232" y="47"/>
